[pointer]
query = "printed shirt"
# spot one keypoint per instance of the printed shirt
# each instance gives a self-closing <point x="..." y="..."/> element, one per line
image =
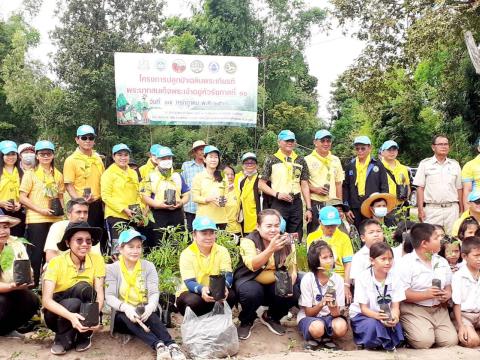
<point x="466" y="290"/>
<point x="471" y="173"/>
<point x="401" y="175"/>
<point x="441" y="181"/>
<point x="324" y="170"/>
<point x="20" y="252"/>
<point x="368" y="289"/>
<point x="360" y="262"/>
<point x="309" y="292"/>
<point x="203" y="186"/>
<point x="120" y="188"/>
<point x="10" y="185"/>
<point x="64" y="274"/>
<point x="34" y="188"/>
<point x="286" y="173"/>
<point x="199" y="267"/>
<point x="417" y="276"/>
<point x="84" y="171"/>
<point x="341" y="247"/>
<point x="189" y="170"/>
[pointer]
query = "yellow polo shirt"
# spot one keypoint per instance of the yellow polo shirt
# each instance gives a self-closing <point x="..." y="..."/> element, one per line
<point x="146" y="169"/>
<point x="471" y="172"/>
<point x="34" y="188"/>
<point x="195" y="265"/>
<point x="324" y="170"/>
<point x="204" y="186"/>
<point x="401" y="175"/>
<point x="458" y="222"/>
<point x="120" y="188"/>
<point x="10" y="185"/>
<point x="62" y="271"/>
<point x="340" y="244"/>
<point x="84" y="171"/>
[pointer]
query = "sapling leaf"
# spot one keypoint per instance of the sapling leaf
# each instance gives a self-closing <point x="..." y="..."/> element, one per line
<point x="6" y="258"/>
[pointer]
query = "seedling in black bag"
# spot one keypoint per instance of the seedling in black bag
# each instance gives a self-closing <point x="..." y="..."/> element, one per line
<point x="87" y="192"/>
<point x="56" y="205"/>
<point x="170" y="197"/>
<point x="22" y="271"/>
<point x="217" y="286"/>
<point x="90" y="311"/>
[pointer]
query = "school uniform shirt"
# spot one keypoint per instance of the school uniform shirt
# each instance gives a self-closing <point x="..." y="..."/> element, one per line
<point x="400" y="174"/>
<point x="84" y="171"/>
<point x="20" y="252"/>
<point x="62" y="271"/>
<point x="309" y="292"/>
<point x="120" y="188"/>
<point x="360" y="262"/>
<point x="55" y="235"/>
<point x="203" y="186"/>
<point x="33" y="185"/>
<point x="189" y="170"/>
<point x="466" y="290"/>
<point x="471" y="173"/>
<point x="10" y="185"/>
<point x="341" y="247"/>
<point x="324" y="170"/>
<point x="368" y="289"/>
<point x="440" y="180"/>
<point x="417" y="276"/>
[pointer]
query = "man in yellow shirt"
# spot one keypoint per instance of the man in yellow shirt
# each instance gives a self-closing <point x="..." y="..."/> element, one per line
<point x="326" y="175"/>
<point x="471" y="176"/>
<point x="397" y="174"/>
<point x="82" y="171"/>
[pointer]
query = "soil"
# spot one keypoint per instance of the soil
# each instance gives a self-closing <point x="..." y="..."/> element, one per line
<point x="261" y="345"/>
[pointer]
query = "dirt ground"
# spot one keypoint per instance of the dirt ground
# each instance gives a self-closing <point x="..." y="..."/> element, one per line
<point x="261" y="345"/>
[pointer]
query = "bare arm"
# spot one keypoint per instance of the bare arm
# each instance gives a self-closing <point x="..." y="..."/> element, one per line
<point x="420" y="200"/>
<point x="29" y="204"/>
<point x="467" y="189"/>
<point x="460" y="202"/>
<point x="339" y="190"/>
<point x="71" y="190"/>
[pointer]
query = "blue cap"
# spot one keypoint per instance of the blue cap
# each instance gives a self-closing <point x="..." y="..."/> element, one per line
<point x="320" y="134"/>
<point x="249" y="155"/>
<point x="474" y="195"/>
<point x="8" y="146"/>
<point x="44" y="145"/>
<point x="85" y="129"/>
<point x="210" y="148"/>
<point x="283" y="225"/>
<point x="329" y="215"/>
<point x="163" y="151"/>
<point x="154" y="148"/>
<point x="286" y="135"/>
<point x="203" y="223"/>
<point x="120" y="147"/>
<point x="365" y="140"/>
<point x="389" y="144"/>
<point x="128" y="235"/>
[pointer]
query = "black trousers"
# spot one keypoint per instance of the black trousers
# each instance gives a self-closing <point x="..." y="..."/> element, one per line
<point x="198" y="305"/>
<point x="71" y="300"/>
<point x="292" y="213"/>
<point x="315" y="223"/>
<point x="17" y="230"/>
<point x="164" y="218"/>
<point x="251" y="295"/>
<point x="16" y="308"/>
<point x="96" y="219"/>
<point x="36" y="234"/>
<point x="189" y="217"/>
<point x="158" y="331"/>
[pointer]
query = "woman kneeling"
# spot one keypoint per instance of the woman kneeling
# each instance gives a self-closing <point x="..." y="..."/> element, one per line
<point x="132" y="293"/>
<point x="73" y="278"/>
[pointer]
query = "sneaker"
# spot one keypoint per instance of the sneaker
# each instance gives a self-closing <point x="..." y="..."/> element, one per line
<point x="244" y="331"/>
<point x="272" y="325"/>
<point x="175" y="352"/>
<point x="83" y="343"/>
<point x="14" y="335"/>
<point x="162" y="352"/>
<point x="57" y="349"/>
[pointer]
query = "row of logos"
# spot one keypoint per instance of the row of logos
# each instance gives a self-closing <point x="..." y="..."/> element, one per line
<point x="196" y="66"/>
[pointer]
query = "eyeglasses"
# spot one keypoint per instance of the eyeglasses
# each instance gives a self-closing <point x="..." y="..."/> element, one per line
<point x="325" y="140"/>
<point x="476" y="202"/>
<point x="87" y="137"/>
<point x="361" y="148"/>
<point x="442" y="144"/>
<point x="45" y="154"/>
<point x="82" y="241"/>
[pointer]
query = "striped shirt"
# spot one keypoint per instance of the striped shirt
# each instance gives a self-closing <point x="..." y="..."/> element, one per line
<point x="189" y="170"/>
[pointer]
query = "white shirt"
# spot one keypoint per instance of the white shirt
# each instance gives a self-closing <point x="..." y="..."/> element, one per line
<point x="465" y="290"/>
<point x="309" y="291"/>
<point x="366" y="292"/>
<point x="360" y="262"/>
<point x="417" y="276"/>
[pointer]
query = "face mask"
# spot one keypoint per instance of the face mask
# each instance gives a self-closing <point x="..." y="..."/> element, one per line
<point x="165" y="164"/>
<point x="380" y="212"/>
<point x="28" y="158"/>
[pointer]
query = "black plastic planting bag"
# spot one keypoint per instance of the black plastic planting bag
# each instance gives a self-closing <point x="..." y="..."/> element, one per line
<point x="91" y="313"/>
<point x="22" y="272"/>
<point x="56" y="206"/>
<point x="283" y="282"/>
<point x="217" y="287"/>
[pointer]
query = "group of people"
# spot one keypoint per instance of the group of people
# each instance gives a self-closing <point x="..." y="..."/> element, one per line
<point x="122" y="211"/>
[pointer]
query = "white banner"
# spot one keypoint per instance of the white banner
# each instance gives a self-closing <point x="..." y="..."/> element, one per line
<point x="169" y="89"/>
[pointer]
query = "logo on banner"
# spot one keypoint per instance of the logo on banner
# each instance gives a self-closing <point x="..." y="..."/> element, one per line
<point x="230" y="67"/>
<point x="179" y="66"/>
<point x="161" y="65"/>
<point x="213" y="67"/>
<point x="196" y="66"/>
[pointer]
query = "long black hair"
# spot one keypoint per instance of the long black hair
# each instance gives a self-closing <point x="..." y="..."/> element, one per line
<point x="17" y="165"/>
<point x="217" y="174"/>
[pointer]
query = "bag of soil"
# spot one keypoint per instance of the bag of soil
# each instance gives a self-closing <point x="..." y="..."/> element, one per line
<point x="170" y="197"/>
<point x="22" y="273"/>
<point x="56" y="206"/>
<point x="283" y="282"/>
<point x="217" y="287"/>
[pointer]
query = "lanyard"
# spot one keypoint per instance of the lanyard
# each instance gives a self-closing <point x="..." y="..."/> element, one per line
<point x="385" y="299"/>
<point x="319" y="297"/>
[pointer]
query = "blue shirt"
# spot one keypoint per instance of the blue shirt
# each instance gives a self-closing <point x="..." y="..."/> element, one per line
<point x="189" y="170"/>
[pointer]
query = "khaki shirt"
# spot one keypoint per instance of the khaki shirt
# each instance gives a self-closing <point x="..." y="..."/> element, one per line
<point x="441" y="181"/>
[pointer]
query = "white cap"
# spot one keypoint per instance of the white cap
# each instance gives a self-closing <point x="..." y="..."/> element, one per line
<point x="24" y="147"/>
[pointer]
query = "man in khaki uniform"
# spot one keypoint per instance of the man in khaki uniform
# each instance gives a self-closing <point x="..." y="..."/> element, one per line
<point x="439" y="183"/>
<point x="325" y="175"/>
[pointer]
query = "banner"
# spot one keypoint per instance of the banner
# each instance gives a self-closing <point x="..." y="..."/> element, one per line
<point x="169" y="89"/>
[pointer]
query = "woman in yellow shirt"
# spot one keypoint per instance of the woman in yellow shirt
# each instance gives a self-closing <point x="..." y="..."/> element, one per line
<point x="209" y="189"/>
<point x="10" y="176"/>
<point x="120" y="192"/>
<point x="41" y="192"/>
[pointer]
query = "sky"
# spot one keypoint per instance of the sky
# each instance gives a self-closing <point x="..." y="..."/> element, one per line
<point x="328" y="55"/>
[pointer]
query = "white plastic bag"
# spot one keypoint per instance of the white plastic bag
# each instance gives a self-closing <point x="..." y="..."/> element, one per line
<point x="212" y="335"/>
